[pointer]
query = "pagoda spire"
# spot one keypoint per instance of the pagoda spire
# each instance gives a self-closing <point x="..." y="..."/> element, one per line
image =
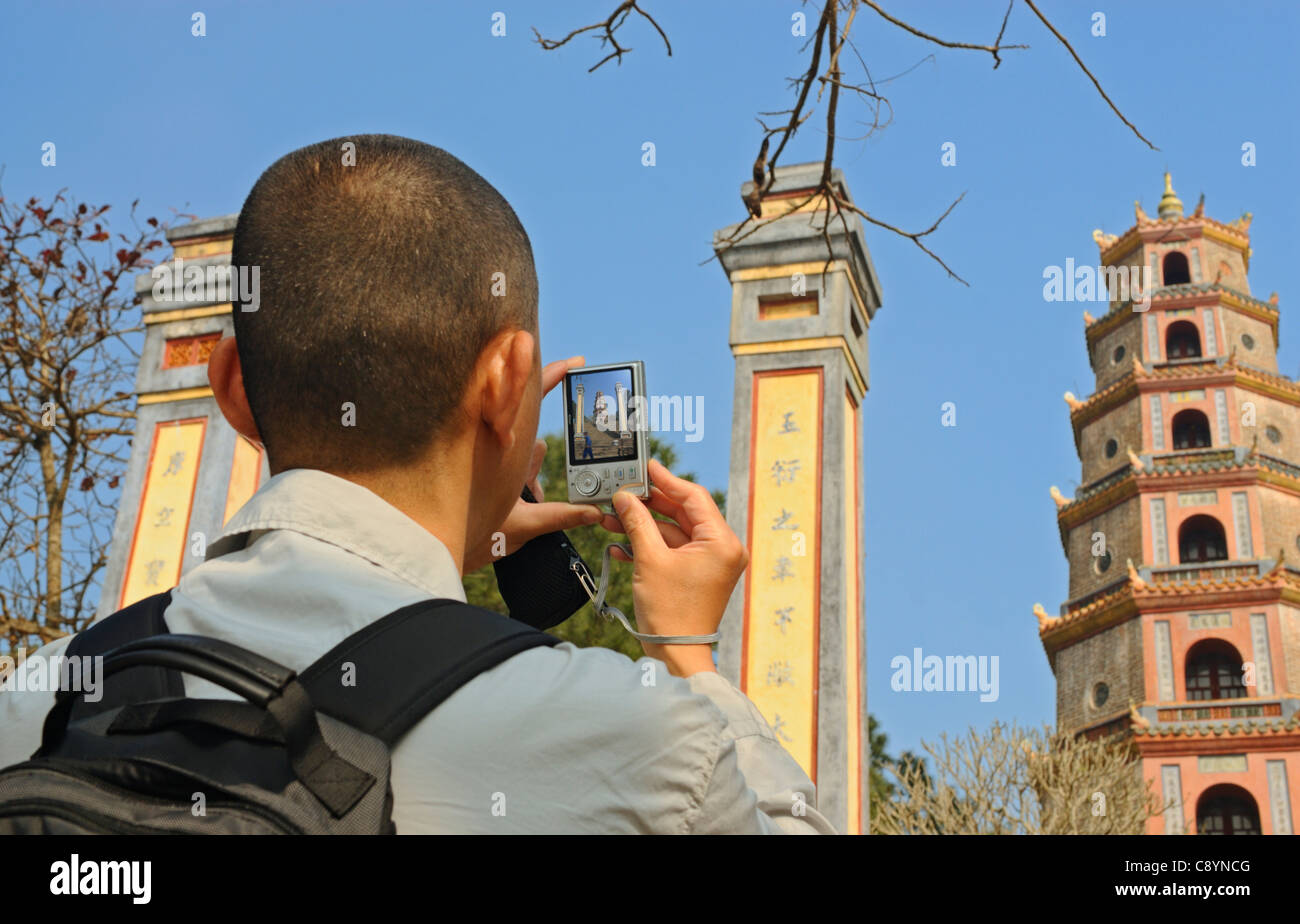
<point x="1170" y="205"/>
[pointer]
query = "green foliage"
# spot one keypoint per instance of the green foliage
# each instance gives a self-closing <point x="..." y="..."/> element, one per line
<point x="584" y="628"/>
<point x="880" y="788"/>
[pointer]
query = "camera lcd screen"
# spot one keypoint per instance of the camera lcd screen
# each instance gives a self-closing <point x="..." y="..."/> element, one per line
<point x="602" y="416"/>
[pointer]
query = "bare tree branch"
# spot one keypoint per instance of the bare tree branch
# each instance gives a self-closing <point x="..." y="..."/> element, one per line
<point x="1010" y="780"/>
<point x="993" y="49"/>
<point x="827" y="43"/>
<point x="1084" y="68"/>
<point x="67" y="363"/>
<point x="610" y="27"/>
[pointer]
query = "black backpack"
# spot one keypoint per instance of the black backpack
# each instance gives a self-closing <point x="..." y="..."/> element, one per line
<point x="303" y="754"/>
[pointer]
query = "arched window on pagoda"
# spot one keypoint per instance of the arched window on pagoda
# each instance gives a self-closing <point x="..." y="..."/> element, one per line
<point x="1201" y="538"/>
<point x="1227" y="809"/>
<point x="1213" y="671"/>
<point x="1182" y="340"/>
<point x="1191" y="430"/>
<point x="1176" y="270"/>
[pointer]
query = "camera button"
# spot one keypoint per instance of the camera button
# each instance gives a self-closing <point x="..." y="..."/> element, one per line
<point x="586" y="483"/>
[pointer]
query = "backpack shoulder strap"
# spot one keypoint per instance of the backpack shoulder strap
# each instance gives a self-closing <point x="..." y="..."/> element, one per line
<point x="136" y="684"/>
<point x="405" y="664"/>
<point x="408" y="662"/>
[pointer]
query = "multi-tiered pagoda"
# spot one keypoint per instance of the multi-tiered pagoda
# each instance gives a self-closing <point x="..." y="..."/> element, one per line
<point x="1182" y="627"/>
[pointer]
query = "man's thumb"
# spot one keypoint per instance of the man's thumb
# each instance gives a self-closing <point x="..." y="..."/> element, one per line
<point x="636" y="519"/>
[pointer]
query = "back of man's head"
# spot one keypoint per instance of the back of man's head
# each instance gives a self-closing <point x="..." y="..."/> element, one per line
<point x="383" y="274"/>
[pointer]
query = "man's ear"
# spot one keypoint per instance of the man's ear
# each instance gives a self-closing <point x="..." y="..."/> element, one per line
<point x="507" y="368"/>
<point x="226" y="376"/>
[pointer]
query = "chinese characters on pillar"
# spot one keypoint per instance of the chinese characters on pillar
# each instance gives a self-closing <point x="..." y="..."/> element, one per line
<point x="780" y="661"/>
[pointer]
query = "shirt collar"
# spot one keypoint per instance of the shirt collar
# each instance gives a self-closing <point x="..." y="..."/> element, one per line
<point x="345" y="514"/>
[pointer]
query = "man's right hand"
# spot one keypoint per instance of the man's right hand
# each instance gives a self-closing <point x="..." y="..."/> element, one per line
<point x="683" y="571"/>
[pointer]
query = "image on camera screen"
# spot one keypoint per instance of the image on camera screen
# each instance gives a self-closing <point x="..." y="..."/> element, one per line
<point x="602" y="416"/>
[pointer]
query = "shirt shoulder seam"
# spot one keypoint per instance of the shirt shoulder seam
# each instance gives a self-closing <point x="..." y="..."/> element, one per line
<point x="696" y="806"/>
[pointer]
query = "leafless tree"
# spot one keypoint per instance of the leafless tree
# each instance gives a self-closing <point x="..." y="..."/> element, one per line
<point x="826" y="73"/>
<point x="1010" y="780"/>
<point x="68" y="358"/>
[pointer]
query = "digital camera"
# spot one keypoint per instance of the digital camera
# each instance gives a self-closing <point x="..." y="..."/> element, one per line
<point x="606" y="432"/>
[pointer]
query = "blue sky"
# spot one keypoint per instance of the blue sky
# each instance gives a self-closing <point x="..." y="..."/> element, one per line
<point x="960" y="535"/>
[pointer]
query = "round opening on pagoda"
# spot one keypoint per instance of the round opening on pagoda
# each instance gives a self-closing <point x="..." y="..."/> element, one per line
<point x="1100" y="693"/>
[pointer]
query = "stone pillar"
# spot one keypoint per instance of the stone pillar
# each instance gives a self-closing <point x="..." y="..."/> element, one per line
<point x="188" y="471"/>
<point x="794" y="637"/>
<point x="621" y="392"/>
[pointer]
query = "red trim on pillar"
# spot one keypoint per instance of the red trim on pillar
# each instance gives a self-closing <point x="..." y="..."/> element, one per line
<point x="864" y="744"/>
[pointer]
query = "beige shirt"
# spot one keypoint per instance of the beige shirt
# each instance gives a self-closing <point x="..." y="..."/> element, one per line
<point x="553" y="740"/>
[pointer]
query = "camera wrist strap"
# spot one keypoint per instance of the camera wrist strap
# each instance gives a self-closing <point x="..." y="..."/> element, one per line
<point x="597" y="595"/>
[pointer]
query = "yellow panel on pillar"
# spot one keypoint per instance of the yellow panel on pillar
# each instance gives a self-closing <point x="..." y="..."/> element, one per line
<point x="780" y="650"/>
<point x="158" y="545"/>
<point x="245" y="473"/>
